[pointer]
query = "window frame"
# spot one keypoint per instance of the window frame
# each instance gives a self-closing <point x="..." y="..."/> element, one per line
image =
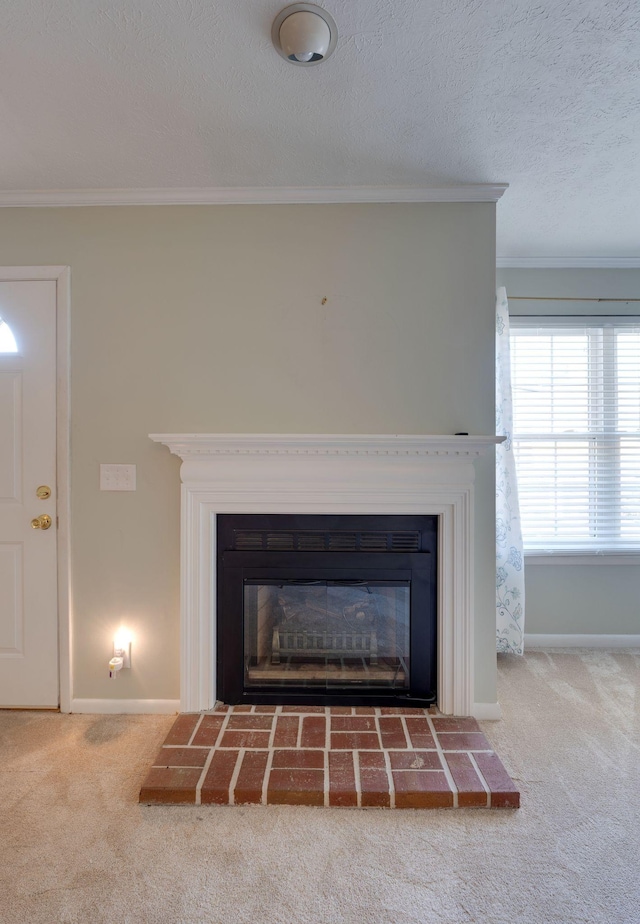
<point x="564" y="554"/>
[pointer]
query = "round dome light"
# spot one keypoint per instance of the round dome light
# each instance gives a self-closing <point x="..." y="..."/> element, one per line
<point x="304" y="34"/>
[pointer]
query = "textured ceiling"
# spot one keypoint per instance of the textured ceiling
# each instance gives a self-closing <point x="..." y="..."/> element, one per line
<point x="190" y="93"/>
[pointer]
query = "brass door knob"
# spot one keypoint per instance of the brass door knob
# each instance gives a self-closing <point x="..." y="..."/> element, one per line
<point x="41" y="522"/>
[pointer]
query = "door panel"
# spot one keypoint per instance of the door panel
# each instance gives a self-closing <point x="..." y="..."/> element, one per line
<point x="28" y="556"/>
<point x="11" y="430"/>
<point x="11" y="605"/>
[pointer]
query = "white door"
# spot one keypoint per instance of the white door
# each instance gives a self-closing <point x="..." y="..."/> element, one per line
<point x="28" y="565"/>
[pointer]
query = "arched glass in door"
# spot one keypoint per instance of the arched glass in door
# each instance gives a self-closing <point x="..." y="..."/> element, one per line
<point x="7" y="340"/>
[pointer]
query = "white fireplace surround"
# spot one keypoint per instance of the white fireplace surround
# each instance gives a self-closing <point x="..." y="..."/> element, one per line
<point x="333" y="474"/>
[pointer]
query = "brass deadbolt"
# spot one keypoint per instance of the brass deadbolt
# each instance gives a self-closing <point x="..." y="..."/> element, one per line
<point x="43" y="492"/>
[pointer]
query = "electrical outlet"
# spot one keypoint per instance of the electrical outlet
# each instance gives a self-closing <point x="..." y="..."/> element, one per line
<point x="117" y="477"/>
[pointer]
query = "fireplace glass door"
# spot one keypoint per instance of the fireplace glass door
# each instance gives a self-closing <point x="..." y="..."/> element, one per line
<point x="327" y="634"/>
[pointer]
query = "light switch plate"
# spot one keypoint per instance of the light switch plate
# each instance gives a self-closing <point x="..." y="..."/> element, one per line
<point x="117" y="477"/>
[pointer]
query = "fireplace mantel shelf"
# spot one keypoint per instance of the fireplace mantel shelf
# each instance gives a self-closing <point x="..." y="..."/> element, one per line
<point x="188" y="445"/>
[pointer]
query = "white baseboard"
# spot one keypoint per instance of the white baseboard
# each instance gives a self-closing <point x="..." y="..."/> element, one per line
<point x="581" y="641"/>
<point x="126" y="706"/>
<point x="487" y="712"/>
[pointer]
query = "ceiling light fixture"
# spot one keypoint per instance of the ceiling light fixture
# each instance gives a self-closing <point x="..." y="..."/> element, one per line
<point x="304" y="34"/>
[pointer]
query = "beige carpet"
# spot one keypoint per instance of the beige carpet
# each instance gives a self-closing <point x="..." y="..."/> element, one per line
<point x="75" y="846"/>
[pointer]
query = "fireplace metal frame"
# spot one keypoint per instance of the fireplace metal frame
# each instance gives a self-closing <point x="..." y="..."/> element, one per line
<point x="419" y="567"/>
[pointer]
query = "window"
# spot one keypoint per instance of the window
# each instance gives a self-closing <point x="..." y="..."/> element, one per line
<point x="7" y="340"/>
<point x="576" y="432"/>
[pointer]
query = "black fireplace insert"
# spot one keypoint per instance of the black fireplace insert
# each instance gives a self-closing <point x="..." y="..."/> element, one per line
<point x="323" y="609"/>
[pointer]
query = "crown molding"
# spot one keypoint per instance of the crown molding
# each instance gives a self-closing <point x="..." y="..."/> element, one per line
<point x="247" y="195"/>
<point x="568" y="262"/>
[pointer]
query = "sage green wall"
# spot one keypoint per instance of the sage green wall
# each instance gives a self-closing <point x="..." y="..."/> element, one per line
<point x="210" y="319"/>
<point x="592" y="598"/>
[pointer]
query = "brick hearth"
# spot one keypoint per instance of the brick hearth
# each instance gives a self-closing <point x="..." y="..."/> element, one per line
<point x="333" y="756"/>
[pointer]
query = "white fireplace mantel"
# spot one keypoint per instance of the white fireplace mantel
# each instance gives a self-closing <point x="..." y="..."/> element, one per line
<point x="292" y="473"/>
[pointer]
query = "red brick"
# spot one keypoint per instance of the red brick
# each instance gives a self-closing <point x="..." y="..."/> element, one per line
<point x="402" y="710"/>
<point x="250" y="722"/>
<point x="221" y="707"/>
<point x="296" y="787"/>
<point x="471" y="792"/>
<point x="181" y="757"/>
<point x="419" y="732"/>
<point x="342" y="779"/>
<point x="182" y="729"/>
<point x="372" y="760"/>
<point x="170" y="786"/>
<point x="298" y="760"/>
<point x="286" y="735"/>
<point x="245" y="739"/>
<point x="415" y="760"/>
<point x="341" y="710"/>
<point x="208" y="730"/>
<point x="303" y="709"/>
<point x="353" y="723"/>
<point x="248" y="788"/>
<point x="422" y="789"/>
<point x="504" y="793"/>
<point x="314" y="732"/>
<point x="505" y="799"/>
<point x="364" y="710"/>
<point x="216" y="783"/>
<point x="266" y="710"/>
<point x="392" y="732"/>
<point x="243" y="708"/>
<point x="455" y="724"/>
<point x="407" y="781"/>
<point x="354" y="741"/>
<point x="374" y="788"/>
<point x="463" y="741"/>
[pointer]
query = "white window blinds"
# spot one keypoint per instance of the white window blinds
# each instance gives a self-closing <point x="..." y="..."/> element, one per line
<point x="576" y="432"/>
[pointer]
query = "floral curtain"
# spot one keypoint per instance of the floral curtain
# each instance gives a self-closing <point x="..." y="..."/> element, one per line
<point x="509" y="553"/>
